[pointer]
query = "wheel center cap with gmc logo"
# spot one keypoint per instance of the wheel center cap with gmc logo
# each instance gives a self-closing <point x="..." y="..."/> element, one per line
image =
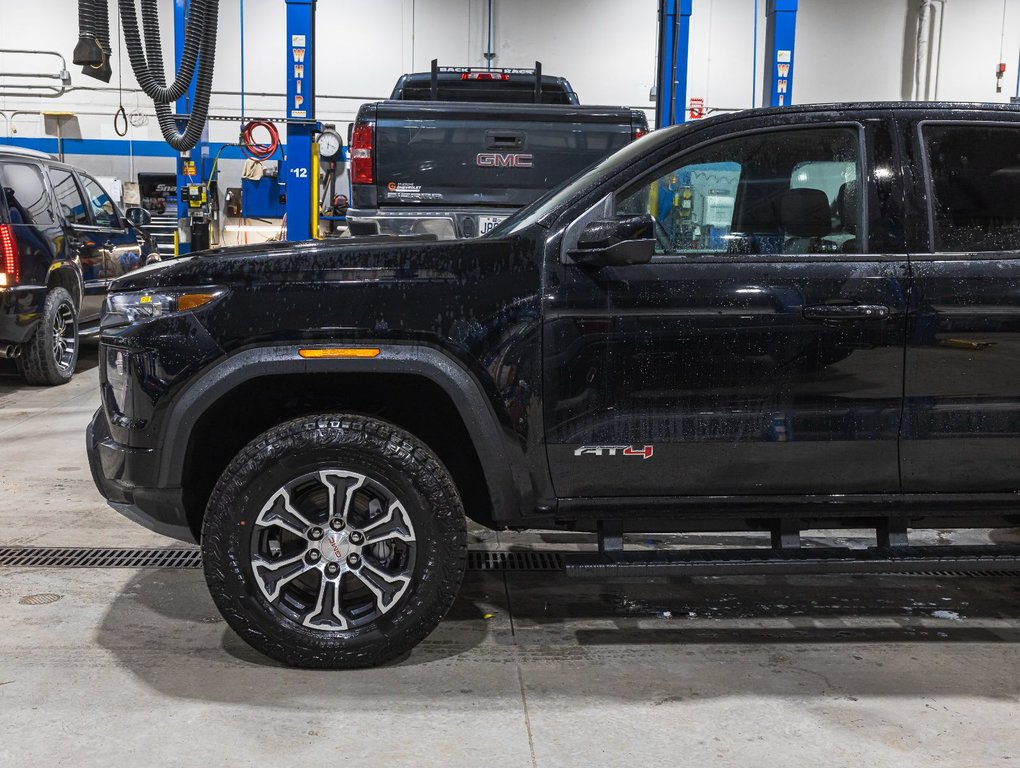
<point x="334" y="547"/>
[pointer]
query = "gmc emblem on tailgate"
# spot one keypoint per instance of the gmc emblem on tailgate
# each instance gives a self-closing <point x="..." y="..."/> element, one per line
<point x="499" y="160"/>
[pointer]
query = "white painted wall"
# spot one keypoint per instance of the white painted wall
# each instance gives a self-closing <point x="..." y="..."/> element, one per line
<point x="846" y="50"/>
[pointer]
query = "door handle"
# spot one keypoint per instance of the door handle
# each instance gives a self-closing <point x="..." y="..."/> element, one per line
<point x="504" y="139"/>
<point x="846" y="312"/>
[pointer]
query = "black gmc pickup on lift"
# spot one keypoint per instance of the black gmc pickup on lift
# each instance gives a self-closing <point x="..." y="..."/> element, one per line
<point x="774" y="321"/>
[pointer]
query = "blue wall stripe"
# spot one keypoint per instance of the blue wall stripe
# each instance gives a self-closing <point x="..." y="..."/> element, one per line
<point x="116" y="147"/>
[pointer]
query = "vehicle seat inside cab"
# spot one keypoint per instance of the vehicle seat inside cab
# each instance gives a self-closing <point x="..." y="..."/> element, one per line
<point x="846" y="213"/>
<point x="805" y="218"/>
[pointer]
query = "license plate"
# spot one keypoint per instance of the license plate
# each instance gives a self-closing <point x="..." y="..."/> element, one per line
<point x="488" y="223"/>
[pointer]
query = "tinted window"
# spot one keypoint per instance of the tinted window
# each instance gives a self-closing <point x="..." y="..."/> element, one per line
<point x="975" y="178"/>
<point x="104" y="212"/>
<point x="777" y="192"/>
<point x="69" y="199"/>
<point x="28" y="202"/>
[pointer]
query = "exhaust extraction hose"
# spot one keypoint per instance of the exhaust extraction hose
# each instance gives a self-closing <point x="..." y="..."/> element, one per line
<point x="93" y="49"/>
<point x="147" y="62"/>
<point x="87" y="51"/>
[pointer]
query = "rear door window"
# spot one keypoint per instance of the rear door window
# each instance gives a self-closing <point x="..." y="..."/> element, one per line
<point x="69" y="200"/>
<point x="26" y="195"/>
<point x="975" y="186"/>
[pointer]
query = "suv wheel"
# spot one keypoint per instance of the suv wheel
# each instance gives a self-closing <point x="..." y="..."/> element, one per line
<point x="50" y="355"/>
<point x="334" y="541"/>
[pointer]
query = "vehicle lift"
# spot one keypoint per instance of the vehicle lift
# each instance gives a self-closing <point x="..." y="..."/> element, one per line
<point x="674" y="47"/>
<point x="300" y="169"/>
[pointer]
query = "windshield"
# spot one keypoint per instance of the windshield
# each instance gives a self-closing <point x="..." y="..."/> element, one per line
<point x="579" y="184"/>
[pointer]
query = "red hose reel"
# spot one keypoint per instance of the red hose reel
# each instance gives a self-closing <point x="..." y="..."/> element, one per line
<point x="254" y="149"/>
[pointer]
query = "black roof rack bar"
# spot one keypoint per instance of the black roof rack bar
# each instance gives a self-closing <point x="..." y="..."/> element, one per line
<point x="435" y="80"/>
<point x="538" y="82"/>
<point x="500" y="70"/>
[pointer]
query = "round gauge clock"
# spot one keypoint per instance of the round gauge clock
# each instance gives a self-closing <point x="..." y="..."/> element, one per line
<point x="331" y="146"/>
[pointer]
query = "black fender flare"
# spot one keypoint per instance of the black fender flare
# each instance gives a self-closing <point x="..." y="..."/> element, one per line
<point x="501" y="459"/>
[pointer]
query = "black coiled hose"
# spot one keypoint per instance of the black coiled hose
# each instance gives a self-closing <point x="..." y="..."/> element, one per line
<point x="93" y="49"/>
<point x="87" y="51"/>
<point x="101" y="19"/>
<point x="147" y="63"/>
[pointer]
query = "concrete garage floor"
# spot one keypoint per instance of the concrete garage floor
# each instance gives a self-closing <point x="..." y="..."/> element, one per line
<point x="135" y="667"/>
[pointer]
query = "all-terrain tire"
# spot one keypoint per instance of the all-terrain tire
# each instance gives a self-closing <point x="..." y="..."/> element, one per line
<point x="49" y="357"/>
<point x="308" y="447"/>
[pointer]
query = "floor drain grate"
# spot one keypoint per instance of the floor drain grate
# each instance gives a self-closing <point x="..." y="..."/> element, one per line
<point x="44" y="598"/>
<point x="190" y="557"/>
<point x="523" y="561"/>
<point x="94" y="557"/>
<point x="486" y="560"/>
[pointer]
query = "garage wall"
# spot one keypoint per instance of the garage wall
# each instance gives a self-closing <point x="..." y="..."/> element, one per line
<point x="845" y="51"/>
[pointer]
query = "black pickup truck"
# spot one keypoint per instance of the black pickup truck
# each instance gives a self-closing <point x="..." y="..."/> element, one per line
<point x="456" y="150"/>
<point x="773" y="321"/>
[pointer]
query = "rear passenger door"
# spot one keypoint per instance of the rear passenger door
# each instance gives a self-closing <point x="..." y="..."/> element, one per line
<point x="961" y="429"/>
<point x="77" y="225"/>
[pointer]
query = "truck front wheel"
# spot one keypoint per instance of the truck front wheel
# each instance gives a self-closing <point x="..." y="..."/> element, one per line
<point x="334" y="541"/>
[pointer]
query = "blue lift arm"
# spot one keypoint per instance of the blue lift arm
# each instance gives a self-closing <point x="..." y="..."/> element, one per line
<point x="671" y="77"/>
<point x="301" y="125"/>
<point x="780" y="34"/>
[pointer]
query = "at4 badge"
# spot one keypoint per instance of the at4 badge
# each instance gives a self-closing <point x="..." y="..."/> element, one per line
<point x="644" y="451"/>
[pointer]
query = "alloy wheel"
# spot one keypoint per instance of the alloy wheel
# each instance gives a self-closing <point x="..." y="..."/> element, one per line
<point x="333" y="550"/>
<point x="65" y="336"/>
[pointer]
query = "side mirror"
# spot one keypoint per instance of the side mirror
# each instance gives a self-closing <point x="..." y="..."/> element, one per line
<point x="137" y="217"/>
<point x="616" y="242"/>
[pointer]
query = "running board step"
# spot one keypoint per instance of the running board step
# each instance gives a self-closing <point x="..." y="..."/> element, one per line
<point x="762" y="562"/>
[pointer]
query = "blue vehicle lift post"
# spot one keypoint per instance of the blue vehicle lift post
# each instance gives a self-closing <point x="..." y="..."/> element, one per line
<point x="780" y="34"/>
<point x="671" y="77"/>
<point x="302" y="172"/>
<point x="191" y="166"/>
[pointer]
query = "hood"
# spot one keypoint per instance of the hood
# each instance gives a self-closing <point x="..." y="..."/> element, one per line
<point x="375" y="257"/>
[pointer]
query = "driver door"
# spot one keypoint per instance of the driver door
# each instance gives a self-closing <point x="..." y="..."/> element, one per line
<point x="761" y="350"/>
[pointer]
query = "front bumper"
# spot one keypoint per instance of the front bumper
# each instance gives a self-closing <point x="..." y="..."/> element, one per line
<point x="445" y="223"/>
<point x="127" y="479"/>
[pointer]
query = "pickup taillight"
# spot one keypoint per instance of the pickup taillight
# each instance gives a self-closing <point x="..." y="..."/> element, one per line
<point x="9" y="261"/>
<point x="637" y="133"/>
<point x="361" y="153"/>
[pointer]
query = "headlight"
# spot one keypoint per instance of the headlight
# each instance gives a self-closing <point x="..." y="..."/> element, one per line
<point x="138" y="306"/>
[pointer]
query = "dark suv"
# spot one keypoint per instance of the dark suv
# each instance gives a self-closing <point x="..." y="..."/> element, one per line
<point x="62" y="239"/>
<point x="773" y="321"/>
